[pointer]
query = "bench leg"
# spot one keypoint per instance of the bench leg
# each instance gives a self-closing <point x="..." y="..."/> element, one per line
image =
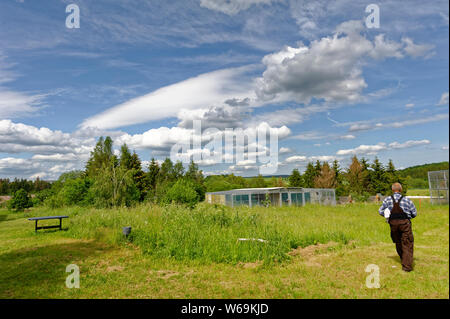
<point x="60" y="223"/>
<point x="35" y="226"/>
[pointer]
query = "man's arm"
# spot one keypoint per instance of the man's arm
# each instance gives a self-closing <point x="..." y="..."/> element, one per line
<point x="412" y="208"/>
<point x="383" y="206"/>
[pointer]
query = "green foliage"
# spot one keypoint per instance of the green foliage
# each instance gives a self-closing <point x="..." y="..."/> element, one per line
<point x="182" y="192"/>
<point x="421" y="171"/>
<point x="8" y="187"/>
<point x="257" y="182"/>
<point x="100" y="156"/>
<point x="20" y="201"/>
<point x="114" y="186"/>
<point x="417" y="176"/>
<point x="310" y="175"/>
<point x="295" y="180"/>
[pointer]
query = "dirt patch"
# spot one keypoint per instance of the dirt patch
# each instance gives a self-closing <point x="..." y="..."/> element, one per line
<point x="166" y="274"/>
<point x="253" y="265"/>
<point x="311" y="250"/>
<point x="4" y="199"/>
<point x="114" y="268"/>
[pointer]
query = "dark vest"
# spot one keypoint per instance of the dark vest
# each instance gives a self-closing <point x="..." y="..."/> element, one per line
<point x="397" y="212"/>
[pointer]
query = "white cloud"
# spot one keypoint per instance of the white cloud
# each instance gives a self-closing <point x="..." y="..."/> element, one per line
<point x="285" y="150"/>
<point x="417" y="50"/>
<point x="409" y="105"/>
<point x="315" y="135"/>
<point x="371" y="125"/>
<point x="209" y="89"/>
<point x="363" y="149"/>
<point x="407" y="144"/>
<point x="327" y="69"/>
<point x="444" y="99"/>
<point x="13" y="103"/>
<point x="324" y="70"/>
<point x="18" y="138"/>
<point x="374" y="149"/>
<point x="296" y="158"/>
<point x="232" y="7"/>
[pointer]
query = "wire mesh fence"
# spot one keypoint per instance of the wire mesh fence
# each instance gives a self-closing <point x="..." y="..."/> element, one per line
<point x="438" y="183"/>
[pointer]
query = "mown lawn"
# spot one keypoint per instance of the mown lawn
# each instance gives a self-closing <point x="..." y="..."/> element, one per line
<point x="310" y="252"/>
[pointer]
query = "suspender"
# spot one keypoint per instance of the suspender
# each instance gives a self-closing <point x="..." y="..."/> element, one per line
<point x="395" y="214"/>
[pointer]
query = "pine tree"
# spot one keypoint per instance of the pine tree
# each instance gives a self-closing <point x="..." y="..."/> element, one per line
<point x="309" y="175"/>
<point x="166" y="171"/>
<point x="378" y="181"/>
<point x="338" y="179"/>
<point x="153" y="173"/>
<point x="295" y="180"/>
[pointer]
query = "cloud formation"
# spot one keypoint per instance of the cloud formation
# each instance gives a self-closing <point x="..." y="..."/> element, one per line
<point x="374" y="149"/>
<point x="232" y="7"/>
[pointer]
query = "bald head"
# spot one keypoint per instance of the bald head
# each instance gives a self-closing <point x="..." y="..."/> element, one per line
<point x="397" y="188"/>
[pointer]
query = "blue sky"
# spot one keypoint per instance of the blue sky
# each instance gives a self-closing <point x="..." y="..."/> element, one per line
<point x="142" y="71"/>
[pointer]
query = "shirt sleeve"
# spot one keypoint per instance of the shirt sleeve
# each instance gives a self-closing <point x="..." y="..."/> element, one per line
<point x="383" y="207"/>
<point x="412" y="208"/>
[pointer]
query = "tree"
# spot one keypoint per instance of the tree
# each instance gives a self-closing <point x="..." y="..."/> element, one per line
<point x="100" y="156"/>
<point x="166" y="171"/>
<point x="378" y="180"/>
<point x="356" y="176"/>
<point x="114" y="186"/>
<point x="326" y="179"/>
<point x="196" y="177"/>
<point x="391" y="177"/>
<point x="309" y="175"/>
<point x="295" y="179"/>
<point x="20" y="201"/>
<point x="366" y="184"/>
<point x="153" y="173"/>
<point x="73" y="192"/>
<point x="182" y="192"/>
<point x="338" y="179"/>
<point x="178" y="170"/>
<point x="258" y="182"/>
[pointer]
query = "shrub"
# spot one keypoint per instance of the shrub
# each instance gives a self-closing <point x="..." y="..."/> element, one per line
<point x="182" y="192"/>
<point x="20" y="201"/>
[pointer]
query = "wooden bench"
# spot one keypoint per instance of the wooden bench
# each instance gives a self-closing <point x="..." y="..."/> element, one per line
<point x="36" y="219"/>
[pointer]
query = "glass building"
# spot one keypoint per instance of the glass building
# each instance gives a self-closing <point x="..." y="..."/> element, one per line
<point x="275" y="196"/>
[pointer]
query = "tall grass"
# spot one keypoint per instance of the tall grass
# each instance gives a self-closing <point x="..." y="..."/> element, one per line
<point x="210" y="233"/>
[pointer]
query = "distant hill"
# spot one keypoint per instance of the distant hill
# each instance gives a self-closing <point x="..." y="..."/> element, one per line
<point x="421" y="171"/>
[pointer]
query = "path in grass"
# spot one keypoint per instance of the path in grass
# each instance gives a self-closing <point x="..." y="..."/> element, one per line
<point x="33" y="266"/>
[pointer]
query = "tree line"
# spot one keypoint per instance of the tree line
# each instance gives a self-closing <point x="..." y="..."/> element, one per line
<point x="110" y="180"/>
<point x="361" y="178"/>
<point x="9" y="187"/>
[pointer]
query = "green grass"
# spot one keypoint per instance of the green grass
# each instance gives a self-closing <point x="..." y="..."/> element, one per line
<point x="175" y="252"/>
<point x="418" y="192"/>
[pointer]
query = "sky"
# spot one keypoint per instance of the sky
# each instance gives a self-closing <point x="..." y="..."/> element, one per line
<point x="316" y="73"/>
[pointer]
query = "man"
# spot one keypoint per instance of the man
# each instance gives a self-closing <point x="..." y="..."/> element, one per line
<point x="402" y="210"/>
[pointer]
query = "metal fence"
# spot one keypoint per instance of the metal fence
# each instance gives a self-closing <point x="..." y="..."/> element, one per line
<point x="438" y="183"/>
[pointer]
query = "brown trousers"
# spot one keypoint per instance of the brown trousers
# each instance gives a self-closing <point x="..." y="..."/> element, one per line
<point x="402" y="236"/>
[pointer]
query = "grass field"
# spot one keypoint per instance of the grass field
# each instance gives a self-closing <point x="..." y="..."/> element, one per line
<point x="309" y="252"/>
<point x="418" y="192"/>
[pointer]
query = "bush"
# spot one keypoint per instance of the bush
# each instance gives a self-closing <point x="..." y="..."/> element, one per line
<point x="20" y="201"/>
<point x="182" y="192"/>
<point x="42" y="196"/>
